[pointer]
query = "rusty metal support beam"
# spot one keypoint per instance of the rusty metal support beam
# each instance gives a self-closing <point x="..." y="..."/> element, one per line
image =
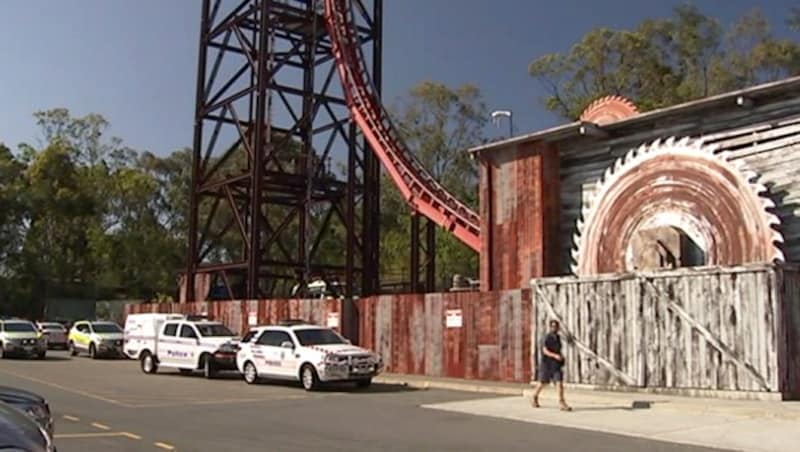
<point x="263" y="202"/>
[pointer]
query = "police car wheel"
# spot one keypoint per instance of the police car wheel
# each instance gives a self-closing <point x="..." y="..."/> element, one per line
<point x="92" y="351"/>
<point x="72" y="350"/>
<point x="149" y="365"/>
<point x="309" y="378"/>
<point x="250" y="373"/>
<point x="2" y="351"/>
<point x="209" y="369"/>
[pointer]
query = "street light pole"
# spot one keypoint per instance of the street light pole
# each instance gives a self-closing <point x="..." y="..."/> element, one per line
<point x="497" y="114"/>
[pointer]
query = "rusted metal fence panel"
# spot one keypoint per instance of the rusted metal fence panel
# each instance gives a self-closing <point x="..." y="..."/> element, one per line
<point x="732" y="328"/>
<point x="239" y="315"/>
<point x="477" y="335"/>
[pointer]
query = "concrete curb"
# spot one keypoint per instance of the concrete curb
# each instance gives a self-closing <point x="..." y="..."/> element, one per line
<point x="452" y="386"/>
<point x="634" y="400"/>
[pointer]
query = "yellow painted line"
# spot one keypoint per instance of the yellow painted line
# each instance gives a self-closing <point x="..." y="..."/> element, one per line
<point x="101" y="426"/>
<point x="71" y="418"/>
<point x="216" y="402"/>
<point x="164" y="446"/>
<point x="130" y="435"/>
<point x="86" y="435"/>
<point x="64" y="388"/>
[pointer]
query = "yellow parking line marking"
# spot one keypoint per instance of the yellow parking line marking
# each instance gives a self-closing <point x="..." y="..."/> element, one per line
<point x="71" y="418"/>
<point x="86" y="435"/>
<point x="64" y="388"/>
<point x="130" y="435"/>
<point x="101" y="426"/>
<point x="164" y="446"/>
<point x="219" y="402"/>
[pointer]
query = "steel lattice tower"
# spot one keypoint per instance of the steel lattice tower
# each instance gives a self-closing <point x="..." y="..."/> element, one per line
<point x="281" y="175"/>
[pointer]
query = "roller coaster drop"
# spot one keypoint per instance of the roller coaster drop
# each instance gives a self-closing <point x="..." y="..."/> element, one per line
<point x="272" y="196"/>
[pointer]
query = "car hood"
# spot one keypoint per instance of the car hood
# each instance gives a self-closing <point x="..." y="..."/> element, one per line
<point x="10" y="335"/>
<point x="16" y="395"/>
<point x="217" y="341"/>
<point x="110" y="336"/>
<point x="340" y="349"/>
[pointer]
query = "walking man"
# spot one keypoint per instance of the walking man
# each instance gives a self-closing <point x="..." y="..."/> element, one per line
<point x="550" y="369"/>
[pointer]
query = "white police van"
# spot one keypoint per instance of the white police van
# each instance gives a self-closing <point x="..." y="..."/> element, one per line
<point x="186" y="343"/>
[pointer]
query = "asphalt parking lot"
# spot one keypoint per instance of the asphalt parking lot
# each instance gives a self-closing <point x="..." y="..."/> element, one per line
<point x="102" y="405"/>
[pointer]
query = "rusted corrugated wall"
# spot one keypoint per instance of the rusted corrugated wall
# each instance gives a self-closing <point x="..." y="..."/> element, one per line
<point x="413" y="334"/>
<point x="237" y="314"/>
<point x="520" y="208"/>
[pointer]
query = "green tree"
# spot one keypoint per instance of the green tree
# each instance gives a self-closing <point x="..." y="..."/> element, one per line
<point x="59" y="222"/>
<point x="11" y="209"/>
<point x="437" y="123"/>
<point x="666" y="61"/>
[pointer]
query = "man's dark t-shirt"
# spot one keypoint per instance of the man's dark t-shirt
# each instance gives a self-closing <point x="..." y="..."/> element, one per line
<point x="553" y="343"/>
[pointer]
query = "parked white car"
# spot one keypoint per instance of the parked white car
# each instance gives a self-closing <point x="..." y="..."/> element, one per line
<point x="181" y="343"/>
<point x="307" y="353"/>
<point x="21" y="338"/>
<point x="96" y="338"/>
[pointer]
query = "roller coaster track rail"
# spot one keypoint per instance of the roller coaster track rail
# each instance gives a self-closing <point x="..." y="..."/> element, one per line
<point x="421" y="191"/>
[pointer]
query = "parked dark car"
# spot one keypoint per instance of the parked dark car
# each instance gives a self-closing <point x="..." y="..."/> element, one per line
<point x="29" y="403"/>
<point x="19" y="432"/>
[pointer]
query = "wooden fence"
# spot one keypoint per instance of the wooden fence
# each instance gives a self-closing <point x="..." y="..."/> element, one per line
<point x="731" y="329"/>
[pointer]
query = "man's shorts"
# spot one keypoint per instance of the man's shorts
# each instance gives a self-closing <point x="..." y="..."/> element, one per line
<point x="548" y="373"/>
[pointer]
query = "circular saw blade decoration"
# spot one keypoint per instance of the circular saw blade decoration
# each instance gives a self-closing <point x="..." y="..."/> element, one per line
<point x="682" y="185"/>
<point x="609" y="109"/>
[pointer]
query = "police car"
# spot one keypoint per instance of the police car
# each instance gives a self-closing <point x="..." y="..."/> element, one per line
<point x="186" y="343"/>
<point x="311" y="354"/>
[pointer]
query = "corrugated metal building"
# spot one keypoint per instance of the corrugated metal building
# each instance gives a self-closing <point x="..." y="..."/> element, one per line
<point x="535" y="188"/>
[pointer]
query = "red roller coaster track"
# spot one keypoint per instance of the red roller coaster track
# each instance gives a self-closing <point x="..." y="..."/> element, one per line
<point x="419" y="188"/>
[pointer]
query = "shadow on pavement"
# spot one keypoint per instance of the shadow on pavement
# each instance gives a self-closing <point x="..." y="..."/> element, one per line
<point x="35" y="360"/>
<point x="198" y="374"/>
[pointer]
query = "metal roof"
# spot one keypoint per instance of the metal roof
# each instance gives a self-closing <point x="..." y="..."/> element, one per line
<point x="740" y="98"/>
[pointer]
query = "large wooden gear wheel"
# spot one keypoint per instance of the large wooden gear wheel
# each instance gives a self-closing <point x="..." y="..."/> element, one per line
<point x="680" y="184"/>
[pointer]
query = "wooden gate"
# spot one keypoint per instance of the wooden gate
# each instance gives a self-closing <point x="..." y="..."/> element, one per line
<point x="710" y="328"/>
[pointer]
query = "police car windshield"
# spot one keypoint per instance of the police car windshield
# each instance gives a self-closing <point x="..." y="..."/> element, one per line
<point x="106" y="328"/>
<point x="19" y="327"/>
<point x="318" y="337"/>
<point x="213" y="330"/>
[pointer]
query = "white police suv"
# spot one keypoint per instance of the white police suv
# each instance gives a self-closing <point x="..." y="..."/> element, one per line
<point x="311" y="354"/>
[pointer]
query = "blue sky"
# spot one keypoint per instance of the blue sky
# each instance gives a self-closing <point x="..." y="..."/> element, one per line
<point x="134" y="61"/>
